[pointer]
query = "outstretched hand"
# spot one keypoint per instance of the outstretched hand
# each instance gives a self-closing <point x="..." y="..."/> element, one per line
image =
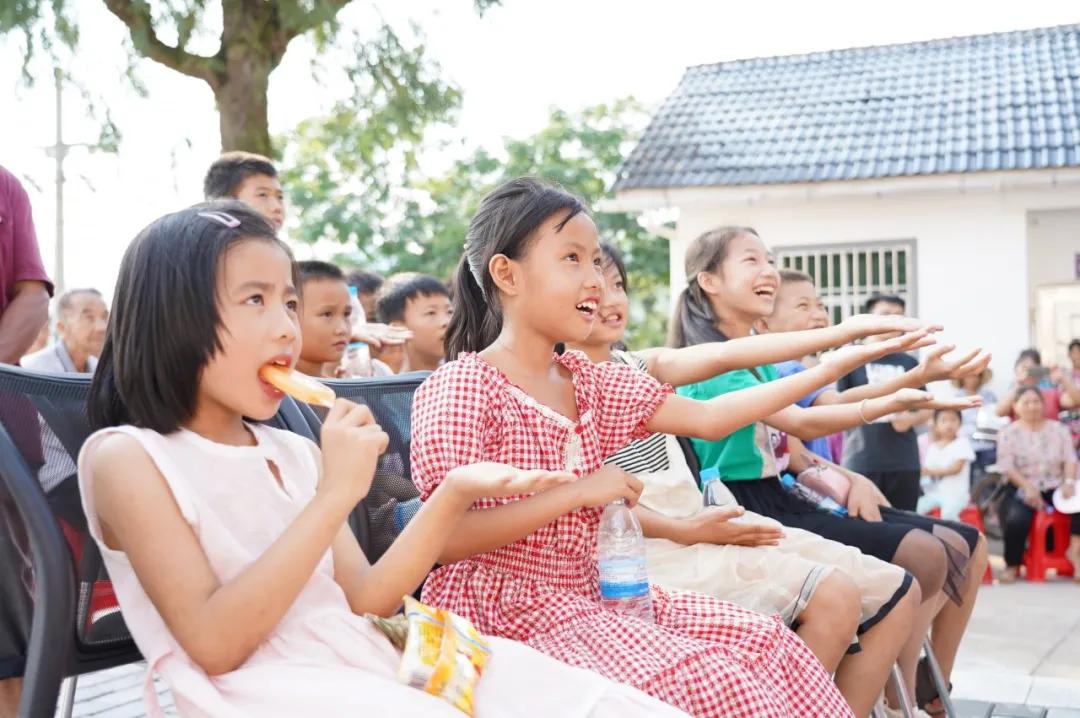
<point x="492" y="479"/>
<point x="378" y="336"/>
<point x="859" y="326"/>
<point x="914" y="399"/>
<point x="846" y="359"/>
<point x="935" y="367"/>
<point x="714" y="525"/>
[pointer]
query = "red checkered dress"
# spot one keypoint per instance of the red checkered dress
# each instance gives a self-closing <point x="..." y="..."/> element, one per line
<point x="706" y="656"/>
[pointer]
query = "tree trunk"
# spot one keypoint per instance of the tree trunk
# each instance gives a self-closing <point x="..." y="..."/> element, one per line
<point x="241" y="99"/>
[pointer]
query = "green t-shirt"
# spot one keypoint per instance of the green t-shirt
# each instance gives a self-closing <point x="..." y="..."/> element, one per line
<point x="753" y="451"/>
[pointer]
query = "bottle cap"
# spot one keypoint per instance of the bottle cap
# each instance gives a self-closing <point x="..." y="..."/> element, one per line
<point x="787" y="480"/>
<point x="352" y="292"/>
<point x="708" y="474"/>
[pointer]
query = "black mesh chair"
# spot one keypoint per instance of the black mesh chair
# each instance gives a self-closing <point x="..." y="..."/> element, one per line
<point x="57" y="608"/>
<point x="392" y="500"/>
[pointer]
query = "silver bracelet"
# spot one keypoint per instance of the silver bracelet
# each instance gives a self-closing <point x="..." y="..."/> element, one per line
<point x="861" y="415"/>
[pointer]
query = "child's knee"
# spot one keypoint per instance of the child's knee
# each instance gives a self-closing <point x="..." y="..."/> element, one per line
<point x="838" y="600"/>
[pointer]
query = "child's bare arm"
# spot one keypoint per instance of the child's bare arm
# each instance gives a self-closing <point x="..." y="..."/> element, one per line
<point x="218" y="624"/>
<point x="933" y="368"/>
<point x="688" y="365"/>
<point x="718" y="417"/>
<point x="379" y="588"/>
<point x="483" y="530"/>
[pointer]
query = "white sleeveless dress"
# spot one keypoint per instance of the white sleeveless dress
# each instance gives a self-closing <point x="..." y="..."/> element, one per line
<point x="321" y="659"/>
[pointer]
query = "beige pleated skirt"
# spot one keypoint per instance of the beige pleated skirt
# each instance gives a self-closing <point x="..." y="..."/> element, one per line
<point x="767" y="579"/>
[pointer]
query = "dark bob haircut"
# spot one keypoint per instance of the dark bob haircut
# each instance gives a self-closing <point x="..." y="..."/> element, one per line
<point x="399" y="289"/>
<point x="165" y="324"/>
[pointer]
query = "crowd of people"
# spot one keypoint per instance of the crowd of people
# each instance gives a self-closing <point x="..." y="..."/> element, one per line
<point x="534" y="418"/>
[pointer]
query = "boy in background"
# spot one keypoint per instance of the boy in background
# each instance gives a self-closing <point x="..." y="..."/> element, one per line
<point x="250" y="178"/>
<point x="421" y="304"/>
<point x="325" y="318"/>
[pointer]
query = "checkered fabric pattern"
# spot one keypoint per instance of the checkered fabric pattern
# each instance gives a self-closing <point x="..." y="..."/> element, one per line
<point x="706" y="656"/>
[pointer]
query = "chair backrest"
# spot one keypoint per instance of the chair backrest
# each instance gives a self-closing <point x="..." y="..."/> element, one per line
<point x="42" y="425"/>
<point x="393" y="498"/>
<point x="49" y="565"/>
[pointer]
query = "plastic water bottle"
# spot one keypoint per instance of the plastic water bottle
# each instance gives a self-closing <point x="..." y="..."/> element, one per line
<point x="712" y="489"/>
<point x="807" y="494"/>
<point x="624" y="580"/>
<point x="357" y="358"/>
<point x="714" y="493"/>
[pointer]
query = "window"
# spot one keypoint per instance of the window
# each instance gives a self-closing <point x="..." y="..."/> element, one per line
<point x="848" y="274"/>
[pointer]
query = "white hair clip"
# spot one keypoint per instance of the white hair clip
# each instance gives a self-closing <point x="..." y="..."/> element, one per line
<point x="223" y="218"/>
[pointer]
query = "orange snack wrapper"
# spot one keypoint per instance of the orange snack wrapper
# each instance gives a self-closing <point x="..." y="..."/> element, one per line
<point x="444" y="655"/>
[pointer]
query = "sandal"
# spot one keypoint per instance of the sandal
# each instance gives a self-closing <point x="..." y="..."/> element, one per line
<point x="1008" y="576"/>
<point x="926" y="692"/>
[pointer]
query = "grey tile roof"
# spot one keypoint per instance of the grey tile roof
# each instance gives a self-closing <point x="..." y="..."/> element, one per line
<point x="989" y="102"/>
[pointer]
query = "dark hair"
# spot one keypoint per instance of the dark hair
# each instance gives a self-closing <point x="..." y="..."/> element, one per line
<point x="165" y="322"/>
<point x="613" y="258"/>
<point x="1032" y="354"/>
<point x="876" y="299"/>
<point x="1074" y="344"/>
<point x="1027" y="389"/>
<point x="311" y="269"/>
<point x="955" y="412"/>
<point x="364" y="281"/>
<point x="399" y="289"/>
<point x="794" y="275"/>
<point x="63" y="305"/>
<point x="505" y="223"/>
<point x="228" y="171"/>
<point x="694" y="321"/>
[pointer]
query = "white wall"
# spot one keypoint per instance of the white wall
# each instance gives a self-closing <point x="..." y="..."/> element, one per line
<point x="1053" y="238"/>
<point x="971" y="251"/>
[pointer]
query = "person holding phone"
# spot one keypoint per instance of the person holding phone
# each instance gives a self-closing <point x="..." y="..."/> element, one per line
<point x="1057" y="387"/>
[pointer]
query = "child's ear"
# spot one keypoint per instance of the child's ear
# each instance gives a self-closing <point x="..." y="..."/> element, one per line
<point x="504" y="274"/>
<point x="708" y="282"/>
<point x="761" y="326"/>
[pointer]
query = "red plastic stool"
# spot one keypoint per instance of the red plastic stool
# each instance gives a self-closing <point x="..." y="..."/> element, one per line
<point x="1037" y="559"/>
<point x="971" y="516"/>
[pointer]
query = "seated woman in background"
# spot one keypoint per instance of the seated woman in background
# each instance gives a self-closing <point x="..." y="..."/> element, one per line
<point x="1035" y="454"/>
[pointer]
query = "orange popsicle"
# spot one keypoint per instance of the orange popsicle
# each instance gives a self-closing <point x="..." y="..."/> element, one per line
<point x="299" y="386"/>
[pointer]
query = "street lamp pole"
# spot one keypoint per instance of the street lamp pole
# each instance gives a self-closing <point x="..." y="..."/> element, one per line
<point x="59" y="151"/>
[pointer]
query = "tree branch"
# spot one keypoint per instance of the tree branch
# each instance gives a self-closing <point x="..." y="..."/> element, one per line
<point x="136" y="15"/>
<point x="299" y="23"/>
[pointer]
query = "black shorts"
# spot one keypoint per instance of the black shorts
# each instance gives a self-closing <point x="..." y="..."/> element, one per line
<point x="901" y="488"/>
<point x="879" y="539"/>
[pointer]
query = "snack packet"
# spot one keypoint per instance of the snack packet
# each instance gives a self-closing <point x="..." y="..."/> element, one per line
<point x="395" y="628"/>
<point x="444" y="655"/>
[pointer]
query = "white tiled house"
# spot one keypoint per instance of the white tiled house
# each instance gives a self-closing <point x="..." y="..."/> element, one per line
<point x="946" y="171"/>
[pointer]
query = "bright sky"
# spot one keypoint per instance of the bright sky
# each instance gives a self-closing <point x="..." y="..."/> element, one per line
<point x="513" y="65"/>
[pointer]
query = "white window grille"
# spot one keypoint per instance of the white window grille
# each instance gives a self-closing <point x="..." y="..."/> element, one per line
<point x="848" y="274"/>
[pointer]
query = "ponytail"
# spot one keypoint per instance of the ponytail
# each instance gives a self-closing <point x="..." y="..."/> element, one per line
<point x="506" y="221"/>
<point x="694" y="321"/>
<point x="475" y="324"/>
